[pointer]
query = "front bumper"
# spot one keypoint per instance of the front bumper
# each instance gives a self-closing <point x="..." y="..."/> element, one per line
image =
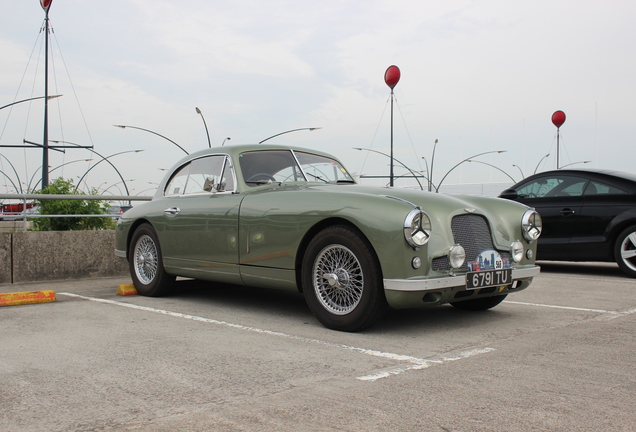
<point x="411" y="285"/>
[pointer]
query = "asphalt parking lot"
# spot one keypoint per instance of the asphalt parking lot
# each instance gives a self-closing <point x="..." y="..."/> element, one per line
<point x="558" y="356"/>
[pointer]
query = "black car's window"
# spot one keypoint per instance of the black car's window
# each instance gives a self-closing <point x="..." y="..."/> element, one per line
<point x="597" y="188"/>
<point x="322" y="168"/>
<point x="203" y="175"/>
<point x="557" y="186"/>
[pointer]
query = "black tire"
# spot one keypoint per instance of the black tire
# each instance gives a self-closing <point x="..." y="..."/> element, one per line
<point x="146" y="263"/>
<point x="625" y="251"/>
<point x="342" y="280"/>
<point x="479" y="304"/>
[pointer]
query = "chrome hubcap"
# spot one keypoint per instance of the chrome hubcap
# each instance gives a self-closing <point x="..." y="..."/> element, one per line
<point x="145" y="260"/>
<point x="338" y="279"/>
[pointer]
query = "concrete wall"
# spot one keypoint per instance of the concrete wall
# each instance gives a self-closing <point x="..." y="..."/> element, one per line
<point x="28" y="256"/>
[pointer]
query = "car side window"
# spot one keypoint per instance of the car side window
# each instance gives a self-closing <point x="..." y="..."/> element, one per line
<point x="558" y="186"/>
<point x="176" y="185"/>
<point x="597" y="188"/>
<point x="322" y="168"/>
<point x="204" y="175"/>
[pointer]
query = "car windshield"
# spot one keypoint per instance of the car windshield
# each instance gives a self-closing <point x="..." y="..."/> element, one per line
<point x="269" y="166"/>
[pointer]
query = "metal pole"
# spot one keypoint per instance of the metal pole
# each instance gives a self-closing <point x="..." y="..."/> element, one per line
<point x="45" y="141"/>
<point x="391" y="171"/>
<point x="557" y="149"/>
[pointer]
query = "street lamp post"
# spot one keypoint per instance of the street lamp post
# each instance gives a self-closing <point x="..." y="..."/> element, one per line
<point x="15" y="172"/>
<point x="537" y="167"/>
<point x="415" y="176"/>
<point x="93" y="151"/>
<point x="30" y="99"/>
<point x="519" y="168"/>
<point x="50" y="171"/>
<point x="105" y="158"/>
<point x="204" y="124"/>
<point x="495" y="167"/>
<point x="228" y="138"/>
<point x="292" y="130"/>
<point x="575" y="163"/>
<point x="152" y="132"/>
<point x="465" y="160"/>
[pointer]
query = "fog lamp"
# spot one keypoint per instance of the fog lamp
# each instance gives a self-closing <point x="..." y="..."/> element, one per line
<point x="456" y="256"/>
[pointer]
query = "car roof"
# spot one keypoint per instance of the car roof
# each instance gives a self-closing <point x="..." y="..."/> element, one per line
<point x="587" y="172"/>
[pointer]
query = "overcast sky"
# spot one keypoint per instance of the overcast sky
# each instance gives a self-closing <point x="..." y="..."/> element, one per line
<point x="478" y="76"/>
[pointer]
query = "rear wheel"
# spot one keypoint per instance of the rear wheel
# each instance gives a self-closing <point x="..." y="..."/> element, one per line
<point x="625" y="251"/>
<point x="479" y="304"/>
<point x="146" y="263"/>
<point x="342" y="280"/>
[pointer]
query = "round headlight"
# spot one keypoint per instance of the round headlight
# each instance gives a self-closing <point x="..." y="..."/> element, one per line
<point x="456" y="256"/>
<point x="531" y="225"/>
<point x="417" y="228"/>
<point x="516" y="251"/>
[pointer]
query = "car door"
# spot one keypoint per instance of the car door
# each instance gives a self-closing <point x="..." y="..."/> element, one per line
<point x="559" y="200"/>
<point x="201" y="219"/>
<point x="603" y="203"/>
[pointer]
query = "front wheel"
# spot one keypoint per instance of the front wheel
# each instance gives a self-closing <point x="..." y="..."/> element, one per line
<point x="625" y="251"/>
<point x="146" y="264"/>
<point x="479" y="304"/>
<point x="342" y="280"/>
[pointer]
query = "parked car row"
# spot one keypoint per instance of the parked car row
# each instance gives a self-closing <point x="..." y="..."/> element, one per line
<point x="588" y="215"/>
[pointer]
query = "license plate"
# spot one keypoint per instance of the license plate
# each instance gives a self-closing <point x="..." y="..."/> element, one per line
<point x="488" y="278"/>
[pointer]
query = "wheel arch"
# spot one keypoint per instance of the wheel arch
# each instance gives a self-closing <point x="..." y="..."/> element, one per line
<point x="315" y="229"/>
<point x="616" y="227"/>
<point x="131" y="231"/>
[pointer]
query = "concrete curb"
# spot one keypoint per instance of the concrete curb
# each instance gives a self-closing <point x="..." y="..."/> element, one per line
<point x="28" y="297"/>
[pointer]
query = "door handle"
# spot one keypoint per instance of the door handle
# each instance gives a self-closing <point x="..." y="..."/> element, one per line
<point x="172" y="211"/>
<point x="567" y="212"/>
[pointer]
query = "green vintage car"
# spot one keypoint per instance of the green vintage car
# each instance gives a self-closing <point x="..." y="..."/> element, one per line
<point x="294" y="219"/>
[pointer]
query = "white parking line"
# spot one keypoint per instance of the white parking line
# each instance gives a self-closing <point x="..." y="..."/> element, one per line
<point x="607" y="315"/>
<point x="416" y="363"/>
<point x="561" y="307"/>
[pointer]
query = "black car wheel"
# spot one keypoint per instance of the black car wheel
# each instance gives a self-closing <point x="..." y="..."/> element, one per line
<point x="342" y="280"/>
<point x="625" y="251"/>
<point x="146" y="265"/>
<point x="479" y="304"/>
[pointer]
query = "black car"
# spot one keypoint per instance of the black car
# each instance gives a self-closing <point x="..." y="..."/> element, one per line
<point x="588" y="215"/>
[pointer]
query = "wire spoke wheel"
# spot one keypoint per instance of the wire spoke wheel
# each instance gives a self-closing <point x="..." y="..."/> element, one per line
<point x="146" y="263"/>
<point x="145" y="259"/>
<point x="338" y="279"/>
<point x="342" y="279"/>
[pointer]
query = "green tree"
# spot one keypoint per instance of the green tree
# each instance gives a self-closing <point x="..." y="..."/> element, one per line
<point x="60" y="186"/>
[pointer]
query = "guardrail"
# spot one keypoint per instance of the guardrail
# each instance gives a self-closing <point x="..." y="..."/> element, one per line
<point x="24" y="215"/>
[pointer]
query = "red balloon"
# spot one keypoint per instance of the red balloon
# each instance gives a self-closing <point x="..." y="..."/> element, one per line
<point x="558" y="118"/>
<point x="392" y="76"/>
<point x="46" y="4"/>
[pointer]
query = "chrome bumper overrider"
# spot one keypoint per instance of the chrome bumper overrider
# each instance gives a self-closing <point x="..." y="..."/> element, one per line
<point x="120" y="253"/>
<point x="448" y="282"/>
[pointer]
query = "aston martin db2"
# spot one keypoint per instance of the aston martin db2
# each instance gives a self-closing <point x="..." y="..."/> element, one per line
<point x="295" y="219"/>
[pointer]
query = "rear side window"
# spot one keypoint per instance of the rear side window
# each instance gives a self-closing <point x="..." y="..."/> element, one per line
<point x="558" y="186"/>
<point x="210" y="174"/>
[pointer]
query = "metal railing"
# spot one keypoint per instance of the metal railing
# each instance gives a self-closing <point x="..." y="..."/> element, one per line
<point x="23" y="199"/>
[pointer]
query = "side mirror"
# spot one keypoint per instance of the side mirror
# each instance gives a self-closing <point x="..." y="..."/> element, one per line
<point x="510" y="194"/>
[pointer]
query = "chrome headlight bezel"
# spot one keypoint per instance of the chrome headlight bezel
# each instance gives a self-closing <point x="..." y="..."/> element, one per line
<point x="417" y="228"/>
<point x="531" y="225"/>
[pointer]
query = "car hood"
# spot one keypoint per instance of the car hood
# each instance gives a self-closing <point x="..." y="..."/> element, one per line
<point x="447" y="203"/>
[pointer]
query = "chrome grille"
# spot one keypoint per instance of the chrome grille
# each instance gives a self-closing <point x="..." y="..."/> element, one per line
<point x="473" y="233"/>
